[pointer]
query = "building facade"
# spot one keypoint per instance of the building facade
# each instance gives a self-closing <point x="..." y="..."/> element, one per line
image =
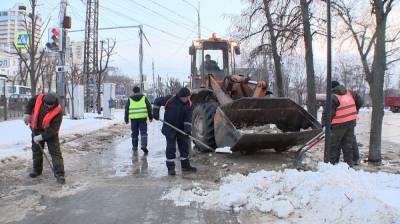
<point x="77" y="51"/>
<point x="9" y="64"/>
<point x="12" y="22"/>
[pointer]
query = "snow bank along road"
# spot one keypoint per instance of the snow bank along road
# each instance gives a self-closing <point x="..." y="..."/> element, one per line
<point x="332" y="194"/>
<point x="15" y="135"/>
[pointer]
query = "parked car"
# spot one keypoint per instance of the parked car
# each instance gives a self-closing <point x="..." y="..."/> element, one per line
<point x="393" y="102"/>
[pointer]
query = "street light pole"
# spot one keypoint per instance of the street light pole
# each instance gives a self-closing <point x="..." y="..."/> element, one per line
<point x="61" y="74"/>
<point x="198" y="16"/>
<point x="141" y="58"/>
<point x="328" y="84"/>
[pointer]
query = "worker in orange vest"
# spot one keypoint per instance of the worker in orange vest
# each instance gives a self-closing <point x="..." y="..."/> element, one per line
<point x="43" y="114"/>
<point x="345" y="106"/>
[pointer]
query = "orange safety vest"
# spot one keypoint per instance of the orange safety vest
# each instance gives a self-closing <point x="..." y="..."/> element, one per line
<point x="347" y="110"/>
<point x="47" y="118"/>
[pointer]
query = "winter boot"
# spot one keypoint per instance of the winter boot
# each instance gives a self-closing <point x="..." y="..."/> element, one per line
<point x="186" y="167"/>
<point x="171" y="172"/>
<point x="61" y="179"/>
<point x="144" y="149"/>
<point x="35" y="174"/>
<point x="357" y="162"/>
<point x="171" y="168"/>
<point x="134" y="148"/>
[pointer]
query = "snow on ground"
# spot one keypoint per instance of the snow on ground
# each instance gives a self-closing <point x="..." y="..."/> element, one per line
<point x="224" y="150"/>
<point x="332" y="194"/>
<point x="390" y="125"/>
<point x="15" y="135"/>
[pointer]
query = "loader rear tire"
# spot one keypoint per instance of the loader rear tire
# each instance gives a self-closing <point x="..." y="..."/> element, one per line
<point x="203" y="125"/>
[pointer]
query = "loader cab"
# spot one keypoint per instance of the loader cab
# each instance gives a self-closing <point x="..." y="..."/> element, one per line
<point x="212" y="56"/>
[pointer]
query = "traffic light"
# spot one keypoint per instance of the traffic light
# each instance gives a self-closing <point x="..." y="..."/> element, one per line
<point x="55" y="39"/>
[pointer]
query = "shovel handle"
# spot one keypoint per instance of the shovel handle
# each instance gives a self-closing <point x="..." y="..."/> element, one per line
<point x="189" y="136"/>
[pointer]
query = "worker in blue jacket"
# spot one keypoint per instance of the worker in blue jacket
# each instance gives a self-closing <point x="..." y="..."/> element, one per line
<point x="178" y="113"/>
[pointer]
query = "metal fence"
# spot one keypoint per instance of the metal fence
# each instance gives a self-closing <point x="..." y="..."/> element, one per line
<point x="12" y="108"/>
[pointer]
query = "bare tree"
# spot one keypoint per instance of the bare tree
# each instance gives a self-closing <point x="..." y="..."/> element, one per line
<point x="296" y="78"/>
<point x="277" y="25"/>
<point x="372" y="36"/>
<point x="311" y="95"/>
<point x="105" y="55"/>
<point x="33" y="58"/>
<point x="123" y="83"/>
<point x="23" y="73"/>
<point x="349" y="71"/>
<point x="173" y="86"/>
<point x="282" y="25"/>
<point x="47" y="71"/>
<point x="74" y="76"/>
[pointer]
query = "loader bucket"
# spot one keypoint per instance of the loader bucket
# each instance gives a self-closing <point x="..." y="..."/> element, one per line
<point x="244" y="124"/>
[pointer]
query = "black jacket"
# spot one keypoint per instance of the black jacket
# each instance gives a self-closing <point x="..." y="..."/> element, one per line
<point x="341" y="90"/>
<point x="137" y="98"/>
<point x="55" y="124"/>
<point x="177" y="113"/>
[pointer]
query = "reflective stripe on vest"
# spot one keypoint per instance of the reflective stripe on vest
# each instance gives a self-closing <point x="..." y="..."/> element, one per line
<point x="137" y="109"/>
<point x="48" y="117"/>
<point x="347" y="110"/>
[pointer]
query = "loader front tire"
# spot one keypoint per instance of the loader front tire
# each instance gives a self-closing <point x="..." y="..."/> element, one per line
<point x="203" y="125"/>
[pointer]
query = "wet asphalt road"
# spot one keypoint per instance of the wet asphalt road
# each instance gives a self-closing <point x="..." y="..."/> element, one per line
<point x="123" y="187"/>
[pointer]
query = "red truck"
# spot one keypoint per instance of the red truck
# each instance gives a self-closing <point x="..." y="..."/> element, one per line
<point x="393" y="102"/>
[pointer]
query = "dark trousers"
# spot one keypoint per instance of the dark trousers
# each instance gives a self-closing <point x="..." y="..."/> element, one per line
<point x="136" y="127"/>
<point x="53" y="145"/>
<point x="342" y="138"/>
<point x="356" y="152"/>
<point x="183" y="147"/>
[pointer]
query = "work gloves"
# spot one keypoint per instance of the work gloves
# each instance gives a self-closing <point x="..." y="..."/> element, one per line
<point x="26" y="118"/>
<point x="38" y="138"/>
<point x="187" y="128"/>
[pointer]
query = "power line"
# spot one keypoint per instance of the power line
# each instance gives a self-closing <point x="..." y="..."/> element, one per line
<point x="185" y="26"/>
<point x="173" y="12"/>
<point x="138" y="21"/>
<point x="178" y="14"/>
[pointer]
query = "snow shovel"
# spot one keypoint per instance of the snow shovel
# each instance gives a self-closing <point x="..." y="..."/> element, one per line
<point x="307" y="146"/>
<point x="189" y="136"/>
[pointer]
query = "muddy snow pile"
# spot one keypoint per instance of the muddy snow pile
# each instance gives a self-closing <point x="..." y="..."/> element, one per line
<point x="335" y="194"/>
<point x="264" y="129"/>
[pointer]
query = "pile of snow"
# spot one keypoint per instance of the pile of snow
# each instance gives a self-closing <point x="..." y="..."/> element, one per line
<point x="333" y="194"/>
<point x="15" y="135"/>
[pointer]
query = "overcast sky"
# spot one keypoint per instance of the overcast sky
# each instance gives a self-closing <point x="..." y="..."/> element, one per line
<point x="170" y="25"/>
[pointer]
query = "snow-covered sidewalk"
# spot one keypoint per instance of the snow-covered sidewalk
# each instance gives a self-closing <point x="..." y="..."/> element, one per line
<point x="15" y="135"/>
<point x="332" y="194"/>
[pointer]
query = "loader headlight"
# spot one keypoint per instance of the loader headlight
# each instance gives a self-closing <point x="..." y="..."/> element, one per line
<point x="196" y="44"/>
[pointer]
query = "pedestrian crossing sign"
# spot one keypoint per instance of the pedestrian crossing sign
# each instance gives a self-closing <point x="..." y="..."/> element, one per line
<point x="22" y="40"/>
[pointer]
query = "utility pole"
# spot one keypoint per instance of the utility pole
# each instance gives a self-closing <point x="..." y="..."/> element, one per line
<point x="87" y="63"/>
<point x="198" y="21"/>
<point x="99" y="80"/>
<point x="141" y="58"/>
<point x="154" y="83"/>
<point x="60" y="88"/>
<point x="158" y="85"/>
<point x="90" y="64"/>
